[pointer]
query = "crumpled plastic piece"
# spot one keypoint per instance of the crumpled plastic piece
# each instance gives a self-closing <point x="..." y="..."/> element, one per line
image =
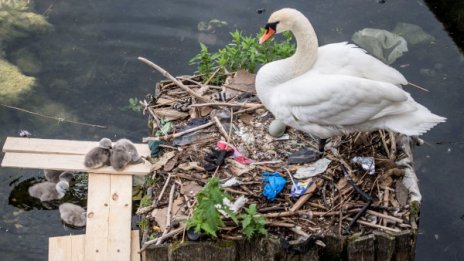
<point x="382" y="44"/>
<point x="314" y="169"/>
<point x="306" y="155"/>
<point x="413" y="34"/>
<point x="233" y="206"/>
<point x="216" y="158"/>
<point x="238" y="156"/>
<point x="367" y="163"/>
<point x="274" y="184"/>
<point x="231" y="182"/>
<point x="154" y="146"/>
<point x="300" y="187"/>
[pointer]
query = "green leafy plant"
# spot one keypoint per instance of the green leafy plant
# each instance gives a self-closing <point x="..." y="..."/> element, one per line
<point x="206" y="216"/>
<point x="243" y="52"/>
<point x="133" y="105"/>
<point x="165" y="127"/>
<point x="145" y="201"/>
<point x="252" y="223"/>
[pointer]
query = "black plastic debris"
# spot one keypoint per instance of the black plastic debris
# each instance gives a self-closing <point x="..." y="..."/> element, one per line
<point x="306" y="155"/>
<point x="216" y="158"/>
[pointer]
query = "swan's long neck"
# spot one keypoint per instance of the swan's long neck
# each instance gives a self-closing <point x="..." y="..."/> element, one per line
<point x="306" y="47"/>
<point x="275" y="73"/>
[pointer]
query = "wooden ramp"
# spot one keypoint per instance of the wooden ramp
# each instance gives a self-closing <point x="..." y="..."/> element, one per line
<point x="109" y="202"/>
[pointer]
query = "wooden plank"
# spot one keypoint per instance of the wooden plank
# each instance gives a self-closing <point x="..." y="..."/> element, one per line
<point x="65" y="162"/>
<point x="77" y="248"/>
<point x="59" y="248"/>
<point x="69" y="248"/>
<point x="135" y="245"/>
<point x="120" y="214"/>
<point x="72" y="147"/>
<point x="98" y="200"/>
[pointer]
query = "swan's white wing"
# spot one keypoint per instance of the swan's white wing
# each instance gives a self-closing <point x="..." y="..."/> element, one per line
<point x="349" y="59"/>
<point x="337" y="100"/>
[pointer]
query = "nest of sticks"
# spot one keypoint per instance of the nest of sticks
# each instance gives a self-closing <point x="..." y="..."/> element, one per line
<point x="344" y="199"/>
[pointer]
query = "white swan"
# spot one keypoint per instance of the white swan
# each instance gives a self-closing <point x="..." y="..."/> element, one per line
<point x="335" y="89"/>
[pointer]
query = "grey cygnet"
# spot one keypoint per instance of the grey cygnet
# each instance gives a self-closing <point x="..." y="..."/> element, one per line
<point x="72" y="215"/>
<point x="46" y="191"/>
<point x="56" y="176"/>
<point x="123" y="154"/>
<point x="99" y="156"/>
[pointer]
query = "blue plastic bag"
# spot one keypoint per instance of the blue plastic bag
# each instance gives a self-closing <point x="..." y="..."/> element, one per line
<point x="274" y="184"/>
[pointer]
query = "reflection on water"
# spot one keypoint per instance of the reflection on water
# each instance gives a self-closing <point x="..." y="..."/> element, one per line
<point x="88" y="71"/>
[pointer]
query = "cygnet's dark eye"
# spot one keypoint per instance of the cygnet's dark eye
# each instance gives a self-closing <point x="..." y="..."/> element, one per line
<point x="271" y="25"/>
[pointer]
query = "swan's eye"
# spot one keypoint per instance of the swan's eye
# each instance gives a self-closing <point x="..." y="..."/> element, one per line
<point x="271" y="25"/>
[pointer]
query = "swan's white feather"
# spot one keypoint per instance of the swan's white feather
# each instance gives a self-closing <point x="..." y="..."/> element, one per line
<point x="337" y="88"/>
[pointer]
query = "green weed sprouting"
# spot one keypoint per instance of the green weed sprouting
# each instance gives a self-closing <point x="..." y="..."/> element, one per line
<point x="244" y="52"/>
<point x="252" y="223"/>
<point x="206" y="216"/>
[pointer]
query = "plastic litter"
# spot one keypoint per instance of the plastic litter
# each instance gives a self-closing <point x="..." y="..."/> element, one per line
<point x="367" y="163"/>
<point x="382" y="44"/>
<point x="274" y="184"/>
<point x="314" y="169"/>
<point x="24" y="133"/>
<point x="413" y="34"/>
<point x="154" y="147"/>
<point x="238" y="156"/>
<point x="231" y="182"/>
<point x="300" y="187"/>
<point x="306" y="155"/>
<point x="216" y="158"/>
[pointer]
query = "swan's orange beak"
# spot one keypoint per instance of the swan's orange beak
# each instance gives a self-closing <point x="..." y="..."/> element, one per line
<point x="269" y="33"/>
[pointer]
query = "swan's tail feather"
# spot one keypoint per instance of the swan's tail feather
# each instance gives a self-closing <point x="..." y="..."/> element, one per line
<point x="416" y="124"/>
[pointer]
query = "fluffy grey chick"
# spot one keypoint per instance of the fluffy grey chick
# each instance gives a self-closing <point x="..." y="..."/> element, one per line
<point x="46" y="191"/>
<point x="56" y="175"/>
<point x="72" y="215"/>
<point x="124" y="153"/>
<point x="99" y="156"/>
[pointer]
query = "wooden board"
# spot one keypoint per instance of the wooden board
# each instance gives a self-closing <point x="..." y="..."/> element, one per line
<point x="109" y="213"/>
<point x="65" y="162"/>
<point x="72" y="248"/>
<point x="73" y="147"/>
<point x="120" y="215"/>
<point x="69" y="248"/>
<point x="98" y="202"/>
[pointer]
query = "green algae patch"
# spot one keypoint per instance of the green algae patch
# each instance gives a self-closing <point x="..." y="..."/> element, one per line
<point x="12" y="82"/>
<point x="18" y="21"/>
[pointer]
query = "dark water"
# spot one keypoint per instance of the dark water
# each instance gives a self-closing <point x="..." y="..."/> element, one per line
<point x="89" y="67"/>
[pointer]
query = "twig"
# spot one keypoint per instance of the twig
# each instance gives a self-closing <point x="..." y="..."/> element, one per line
<point x="170" y="77"/>
<point x="280" y="224"/>
<point x="374" y="225"/>
<point x="212" y="75"/>
<point x="221" y="128"/>
<point x="384" y="216"/>
<point x="175" y="135"/>
<point x="249" y="109"/>
<point x="160" y="240"/>
<point x="54" y="118"/>
<point x="244" y="105"/>
<point x="164" y="188"/>
<point x="418" y="87"/>
<point x="168" y="215"/>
